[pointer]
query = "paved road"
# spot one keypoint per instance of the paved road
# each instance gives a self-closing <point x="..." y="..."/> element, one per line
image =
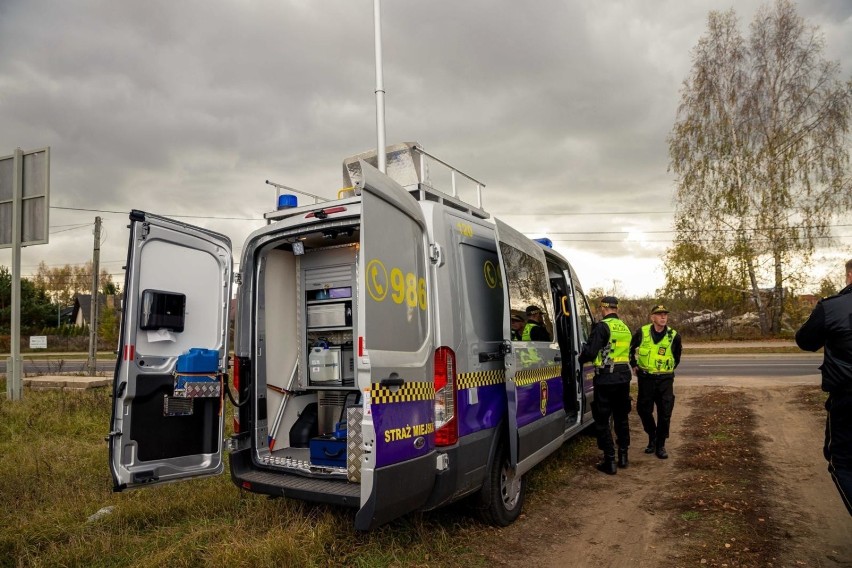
<point x="792" y="368"/>
<point x="57" y="364"/>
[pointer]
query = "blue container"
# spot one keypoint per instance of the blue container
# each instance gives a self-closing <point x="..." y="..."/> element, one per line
<point x="328" y="451"/>
<point x="198" y="360"/>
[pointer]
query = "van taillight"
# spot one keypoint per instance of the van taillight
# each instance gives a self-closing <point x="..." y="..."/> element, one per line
<point x="446" y="422"/>
<point x="236" y="382"/>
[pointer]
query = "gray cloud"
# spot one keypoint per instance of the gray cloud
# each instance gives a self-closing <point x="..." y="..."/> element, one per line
<point x="186" y="108"/>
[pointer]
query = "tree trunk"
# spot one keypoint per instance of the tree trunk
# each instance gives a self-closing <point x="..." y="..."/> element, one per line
<point x="778" y="295"/>
<point x="758" y="299"/>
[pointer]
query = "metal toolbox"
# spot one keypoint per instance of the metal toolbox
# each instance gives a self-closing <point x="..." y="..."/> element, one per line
<point x="331" y="314"/>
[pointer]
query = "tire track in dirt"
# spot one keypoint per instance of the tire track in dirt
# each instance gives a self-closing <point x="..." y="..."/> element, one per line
<point x="602" y="520"/>
<point x="806" y="502"/>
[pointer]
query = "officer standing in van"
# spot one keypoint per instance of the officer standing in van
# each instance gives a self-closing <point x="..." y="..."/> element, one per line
<point x="609" y="346"/>
<point x="659" y="348"/>
<point x="534" y="330"/>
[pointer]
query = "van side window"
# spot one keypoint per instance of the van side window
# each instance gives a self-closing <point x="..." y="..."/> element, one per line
<point x="584" y="314"/>
<point x="483" y="288"/>
<point x="528" y="284"/>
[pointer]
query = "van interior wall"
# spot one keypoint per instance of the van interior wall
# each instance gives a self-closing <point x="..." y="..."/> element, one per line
<point x="280" y="330"/>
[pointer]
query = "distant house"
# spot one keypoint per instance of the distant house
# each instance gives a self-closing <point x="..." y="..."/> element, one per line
<point x="82" y="309"/>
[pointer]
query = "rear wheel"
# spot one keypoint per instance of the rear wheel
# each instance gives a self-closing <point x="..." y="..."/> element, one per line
<point x="502" y="496"/>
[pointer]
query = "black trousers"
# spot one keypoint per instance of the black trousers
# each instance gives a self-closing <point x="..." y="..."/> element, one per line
<point x="612" y="402"/>
<point x="838" y="444"/>
<point x="659" y="392"/>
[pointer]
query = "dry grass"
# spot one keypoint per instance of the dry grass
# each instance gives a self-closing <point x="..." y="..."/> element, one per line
<point x="720" y="509"/>
<point x="55" y="475"/>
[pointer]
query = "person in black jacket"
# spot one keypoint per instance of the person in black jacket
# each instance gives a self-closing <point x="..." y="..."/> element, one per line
<point x="830" y="327"/>
<point x="608" y="346"/>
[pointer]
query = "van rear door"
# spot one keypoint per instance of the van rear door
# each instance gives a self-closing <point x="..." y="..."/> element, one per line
<point x="177" y="290"/>
<point x="534" y="390"/>
<point x="394" y="353"/>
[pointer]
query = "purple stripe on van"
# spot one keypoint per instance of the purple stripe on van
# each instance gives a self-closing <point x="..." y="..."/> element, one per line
<point x="400" y="428"/>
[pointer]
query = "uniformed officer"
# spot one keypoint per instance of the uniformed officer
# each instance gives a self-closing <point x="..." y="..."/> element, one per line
<point x="608" y="346"/>
<point x="518" y="324"/>
<point x="534" y="330"/>
<point x="830" y="327"/>
<point x="654" y="355"/>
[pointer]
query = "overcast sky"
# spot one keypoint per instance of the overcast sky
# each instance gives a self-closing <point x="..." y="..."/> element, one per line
<point x="561" y="108"/>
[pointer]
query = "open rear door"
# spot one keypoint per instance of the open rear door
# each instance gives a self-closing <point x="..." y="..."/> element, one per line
<point x="168" y="426"/>
<point x="534" y="390"/>
<point x="395" y="353"/>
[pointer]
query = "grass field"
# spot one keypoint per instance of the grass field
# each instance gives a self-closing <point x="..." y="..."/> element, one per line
<point x="54" y="476"/>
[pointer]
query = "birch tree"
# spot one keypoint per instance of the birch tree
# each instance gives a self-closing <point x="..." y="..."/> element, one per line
<point x="760" y="148"/>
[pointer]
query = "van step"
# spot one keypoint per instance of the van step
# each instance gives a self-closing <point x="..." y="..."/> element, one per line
<point x="332" y="490"/>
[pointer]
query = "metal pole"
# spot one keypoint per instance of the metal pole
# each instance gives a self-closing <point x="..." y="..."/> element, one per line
<point x="93" y="311"/>
<point x="14" y="383"/>
<point x="380" y="90"/>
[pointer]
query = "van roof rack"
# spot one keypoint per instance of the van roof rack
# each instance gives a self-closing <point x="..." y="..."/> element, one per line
<point x="420" y="173"/>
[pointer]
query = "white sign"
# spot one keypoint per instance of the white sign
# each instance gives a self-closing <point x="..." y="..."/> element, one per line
<point x="38" y="342"/>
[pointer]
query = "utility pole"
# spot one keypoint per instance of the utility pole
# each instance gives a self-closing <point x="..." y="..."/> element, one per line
<point x="93" y="311"/>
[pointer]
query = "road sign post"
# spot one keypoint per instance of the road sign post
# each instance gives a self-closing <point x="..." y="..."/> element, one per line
<point x="24" y="214"/>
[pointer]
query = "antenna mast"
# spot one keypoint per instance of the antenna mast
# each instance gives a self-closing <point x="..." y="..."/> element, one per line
<point x="380" y="90"/>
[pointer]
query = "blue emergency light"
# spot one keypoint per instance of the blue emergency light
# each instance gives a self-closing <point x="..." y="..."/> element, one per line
<point x="545" y="241"/>
<point x="287" y="201"/>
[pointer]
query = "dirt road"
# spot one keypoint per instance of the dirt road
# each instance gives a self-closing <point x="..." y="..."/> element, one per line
<point x="624" y="520"/>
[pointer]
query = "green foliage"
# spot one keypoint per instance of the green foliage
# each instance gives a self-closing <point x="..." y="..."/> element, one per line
<point x="108" y="325"/>
<point x="827" y="287"/>
<point x="699" y="278"/>
<point x="37" y="310"/>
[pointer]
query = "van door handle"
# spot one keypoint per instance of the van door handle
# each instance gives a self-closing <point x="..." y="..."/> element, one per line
<point x="491" y="356"/>
<point x="394" y="380"/>
<point x="557" y="358"/>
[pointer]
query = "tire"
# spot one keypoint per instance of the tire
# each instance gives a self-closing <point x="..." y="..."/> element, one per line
<point x="502" y="496"/>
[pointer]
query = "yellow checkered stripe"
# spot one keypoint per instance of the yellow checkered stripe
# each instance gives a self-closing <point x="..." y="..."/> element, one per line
<point x="481" y="379"/>
<point x="530" y="376"/>
<point x="406" y="393"/>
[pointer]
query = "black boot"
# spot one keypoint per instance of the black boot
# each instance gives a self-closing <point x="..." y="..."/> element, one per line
<point x="651" y="447"/>
<point x="662" y="453"/>
<point x="608" y="465"/>
<point x="622" y="458"/>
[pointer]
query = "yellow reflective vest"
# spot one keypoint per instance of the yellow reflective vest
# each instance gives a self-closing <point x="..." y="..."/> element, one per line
<point x="618" y="349"/>
<point x="656" y="358"/>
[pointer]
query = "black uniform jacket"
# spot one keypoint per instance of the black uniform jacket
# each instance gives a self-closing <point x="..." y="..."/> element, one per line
<point x="598" y="338"/>
<point x="677" y="348"/>
<point x="830" y="326"/>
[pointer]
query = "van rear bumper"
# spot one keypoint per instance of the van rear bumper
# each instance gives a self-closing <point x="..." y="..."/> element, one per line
<point x="246" y="475"/>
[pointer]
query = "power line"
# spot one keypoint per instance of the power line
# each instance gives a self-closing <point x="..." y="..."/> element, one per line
<point x="164" y="214"/>
<point x="72" y="228"/>
<point x="758" y="241"/>
<point x="513" y="214"/>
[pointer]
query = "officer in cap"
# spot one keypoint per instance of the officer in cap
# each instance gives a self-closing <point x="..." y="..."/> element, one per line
<point x="608" y="346"/>
<point x="534" y="330"/>
<point x="518" y="324"/>
<point x="654" y="355"/>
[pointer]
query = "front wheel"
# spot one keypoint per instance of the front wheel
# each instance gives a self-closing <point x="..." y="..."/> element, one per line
<point x="502" y="496"/>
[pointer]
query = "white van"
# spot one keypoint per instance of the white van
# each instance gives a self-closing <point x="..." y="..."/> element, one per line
<point x="374" y="362"/>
